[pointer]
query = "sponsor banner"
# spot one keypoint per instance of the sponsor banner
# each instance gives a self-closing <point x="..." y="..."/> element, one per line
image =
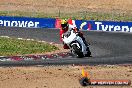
<point x="105" y="26"/>
<point x="113" y="26"/>
<point x="55" y="23"/>
<point x="101" y="25"/>
<point x="27" y="22"/>
<point x="84" y="24"/>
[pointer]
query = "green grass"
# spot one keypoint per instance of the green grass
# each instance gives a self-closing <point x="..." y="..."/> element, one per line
<point x="27" y="14"/>
<point x="79" y="15"/>
<point x="10" y="46"/>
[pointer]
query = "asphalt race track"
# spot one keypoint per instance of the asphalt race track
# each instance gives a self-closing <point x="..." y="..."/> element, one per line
<point x="106" y="47"/>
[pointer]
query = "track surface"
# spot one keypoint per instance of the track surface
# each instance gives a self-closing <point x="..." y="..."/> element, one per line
<point x="106" y="47"/>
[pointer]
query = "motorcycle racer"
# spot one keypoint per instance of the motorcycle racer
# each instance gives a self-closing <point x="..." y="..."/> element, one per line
<point x="65" y="26"/>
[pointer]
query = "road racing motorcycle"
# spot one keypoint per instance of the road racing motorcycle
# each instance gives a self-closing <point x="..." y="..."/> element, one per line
<point x="76" y="44"/>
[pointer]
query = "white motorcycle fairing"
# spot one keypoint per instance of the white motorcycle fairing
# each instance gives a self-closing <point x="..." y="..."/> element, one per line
<point x="71" y="38"/>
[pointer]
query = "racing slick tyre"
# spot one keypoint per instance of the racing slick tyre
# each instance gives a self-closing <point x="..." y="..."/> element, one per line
<point x="77" y="51"/>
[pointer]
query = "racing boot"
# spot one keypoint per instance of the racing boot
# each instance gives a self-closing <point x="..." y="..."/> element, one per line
<point x="88" y="53"/>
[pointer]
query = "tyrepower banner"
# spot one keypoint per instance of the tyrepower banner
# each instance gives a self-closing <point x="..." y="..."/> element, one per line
<point x="55" y="23"/>
<point x="112" y="26"/>
<point x="27" y="22"/>
<point x="100" y="25"/>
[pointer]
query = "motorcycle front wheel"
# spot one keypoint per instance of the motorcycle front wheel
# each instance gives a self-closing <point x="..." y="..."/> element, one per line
<point x="77" y="51"/>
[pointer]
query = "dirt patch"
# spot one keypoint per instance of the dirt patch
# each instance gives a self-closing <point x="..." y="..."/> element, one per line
<point x="60" y="76"/>
<point x="69" y="6"/>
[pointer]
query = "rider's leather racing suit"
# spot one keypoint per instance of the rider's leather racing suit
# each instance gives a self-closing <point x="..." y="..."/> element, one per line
<point x="76" y="30"/>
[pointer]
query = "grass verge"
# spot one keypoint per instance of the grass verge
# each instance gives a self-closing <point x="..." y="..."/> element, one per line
<point x="78" y="15"/>
<point x="12" y="46"/>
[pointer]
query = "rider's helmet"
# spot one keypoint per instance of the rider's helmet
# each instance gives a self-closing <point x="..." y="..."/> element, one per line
<point x="64" y="24"/>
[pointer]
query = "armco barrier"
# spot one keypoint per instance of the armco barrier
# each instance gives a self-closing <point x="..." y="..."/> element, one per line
<point x="27" y="22"/>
